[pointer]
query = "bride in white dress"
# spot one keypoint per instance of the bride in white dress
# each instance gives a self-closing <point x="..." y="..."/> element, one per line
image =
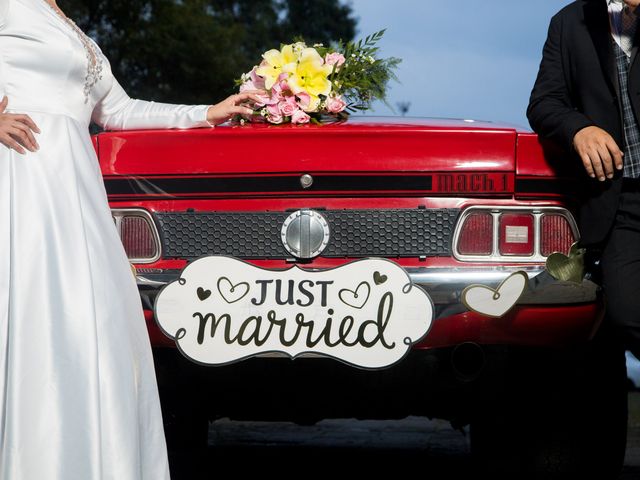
<point x="78" y="393"/>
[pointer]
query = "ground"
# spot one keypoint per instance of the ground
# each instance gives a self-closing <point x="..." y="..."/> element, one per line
<point x="338" y="447"/>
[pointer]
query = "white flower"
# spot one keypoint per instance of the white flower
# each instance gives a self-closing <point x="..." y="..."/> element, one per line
<point x="299" y="47"/>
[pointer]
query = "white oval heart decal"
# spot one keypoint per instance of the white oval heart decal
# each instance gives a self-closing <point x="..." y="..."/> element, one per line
<point x="495" y="302"/>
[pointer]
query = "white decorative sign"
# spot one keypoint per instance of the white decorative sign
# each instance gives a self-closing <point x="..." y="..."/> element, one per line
<point x="366" y="313"/>
<point x="495" y="302"/>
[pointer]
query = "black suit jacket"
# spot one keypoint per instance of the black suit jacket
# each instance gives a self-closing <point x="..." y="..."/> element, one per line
<point x="577" y="86"/>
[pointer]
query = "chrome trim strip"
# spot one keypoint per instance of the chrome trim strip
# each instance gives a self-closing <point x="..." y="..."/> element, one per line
<point x="487" y="276"/>
<point x="445" y="285"/>
<point x="140" y="280"/>
<point x="537" y="225"/>
<point x="419" y="276"/>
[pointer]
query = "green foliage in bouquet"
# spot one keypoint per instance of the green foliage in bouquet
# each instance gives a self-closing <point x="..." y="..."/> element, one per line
<point x="363" y="77"/>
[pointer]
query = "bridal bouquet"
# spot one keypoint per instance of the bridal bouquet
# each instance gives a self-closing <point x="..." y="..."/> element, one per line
<point x="317" y="83"/>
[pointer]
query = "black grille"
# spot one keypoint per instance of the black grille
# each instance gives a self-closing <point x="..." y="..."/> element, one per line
<point x="354" y="233"/>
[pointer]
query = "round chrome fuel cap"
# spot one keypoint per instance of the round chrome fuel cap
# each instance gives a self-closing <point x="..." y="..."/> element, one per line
<point x="305" y="234"/>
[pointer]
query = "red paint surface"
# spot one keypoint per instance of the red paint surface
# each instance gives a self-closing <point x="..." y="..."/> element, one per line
<point x="555" y="326"/>
<point x="356" y="147"/>
<point x="543" y="159"/>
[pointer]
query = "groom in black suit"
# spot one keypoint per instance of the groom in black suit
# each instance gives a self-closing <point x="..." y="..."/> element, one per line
<point x="586" y="98"/>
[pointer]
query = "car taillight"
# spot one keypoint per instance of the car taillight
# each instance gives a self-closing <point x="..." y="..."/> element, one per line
<point x="556" y="234"/>
<point x="476" y="234"/>
<point x="513" y="233"/>
<point x="516" y="234"/>
<point x="137" y="237"/>
<point x="138" y="234"/>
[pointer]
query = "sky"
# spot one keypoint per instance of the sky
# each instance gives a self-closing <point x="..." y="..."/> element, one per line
<point x="472" y="59"/>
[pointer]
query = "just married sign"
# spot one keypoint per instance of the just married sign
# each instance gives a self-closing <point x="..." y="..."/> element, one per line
<point x="366" y="313"/>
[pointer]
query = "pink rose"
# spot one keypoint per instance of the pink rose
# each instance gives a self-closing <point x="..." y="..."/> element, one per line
<point x="273" y="109"/>
<point x="335" y="104"/>
<point x="334" y="58"/>
<point x="276" y="119"/>
<point x="248" y="85"/>
<point x="283" y="85"/>
<point x="276" y="97"/>
<point x="280" y="90"/>
<point x="303" y="100"/>
<point x="288" y="106"/>
<point x="273" y="114"/>
<point x="255" y="82"/>
<point x="300" y="117"/>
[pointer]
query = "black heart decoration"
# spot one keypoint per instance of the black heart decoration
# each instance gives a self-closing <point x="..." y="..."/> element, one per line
<point x="355" y="298"/>
<point x="378" y="278"/>
<point x="203" y="294"/>
<point x="230" y="292"/>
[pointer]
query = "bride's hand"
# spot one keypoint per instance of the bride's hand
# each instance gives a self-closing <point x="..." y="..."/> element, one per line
<point x="234" y="105"/>
<point x="15" y="129"/>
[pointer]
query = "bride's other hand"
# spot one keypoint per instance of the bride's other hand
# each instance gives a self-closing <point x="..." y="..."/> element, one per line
<point x="237" y="104"/>
<point x="15" y="129"/>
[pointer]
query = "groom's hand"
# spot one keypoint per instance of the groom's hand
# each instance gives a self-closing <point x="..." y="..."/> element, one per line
<point x="599" y="152"/>
<point x="15" y="129"/>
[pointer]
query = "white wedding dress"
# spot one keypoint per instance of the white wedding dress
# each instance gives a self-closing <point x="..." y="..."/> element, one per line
<point x="78" y="393"/>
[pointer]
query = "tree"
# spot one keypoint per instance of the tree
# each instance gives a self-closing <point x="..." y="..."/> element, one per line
<point x="190" y="51"/>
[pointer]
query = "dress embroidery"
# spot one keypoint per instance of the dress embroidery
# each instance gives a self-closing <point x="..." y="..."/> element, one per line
<point x="94" y="61"/>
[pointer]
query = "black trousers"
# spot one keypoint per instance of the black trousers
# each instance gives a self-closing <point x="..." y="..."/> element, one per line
<point x="620" y="262"/>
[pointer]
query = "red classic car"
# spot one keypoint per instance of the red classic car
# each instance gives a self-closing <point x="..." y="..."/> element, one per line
<point x="454" y="204"/>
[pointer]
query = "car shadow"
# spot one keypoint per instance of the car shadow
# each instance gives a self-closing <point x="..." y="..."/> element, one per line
<point x="334" y="448"/>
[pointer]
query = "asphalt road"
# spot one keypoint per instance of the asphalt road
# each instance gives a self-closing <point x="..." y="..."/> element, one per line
<point x="334" y="448"/>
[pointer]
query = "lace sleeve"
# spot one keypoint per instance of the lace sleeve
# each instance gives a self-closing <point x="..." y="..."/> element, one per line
<point x="117" y="111"/>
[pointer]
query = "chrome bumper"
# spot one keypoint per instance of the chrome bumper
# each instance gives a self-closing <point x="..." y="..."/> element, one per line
<point x="445" y="285"/>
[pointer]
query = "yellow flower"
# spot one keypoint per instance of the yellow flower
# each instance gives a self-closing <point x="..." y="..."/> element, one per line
<point x="273" y="64"/>
<point x="309" y="75"/>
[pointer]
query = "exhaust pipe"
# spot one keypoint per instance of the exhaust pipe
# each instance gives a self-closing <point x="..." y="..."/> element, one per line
<point x="468" y="360"/>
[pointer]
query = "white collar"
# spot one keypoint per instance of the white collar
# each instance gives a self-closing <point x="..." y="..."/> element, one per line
<point x="621" y="5"/>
